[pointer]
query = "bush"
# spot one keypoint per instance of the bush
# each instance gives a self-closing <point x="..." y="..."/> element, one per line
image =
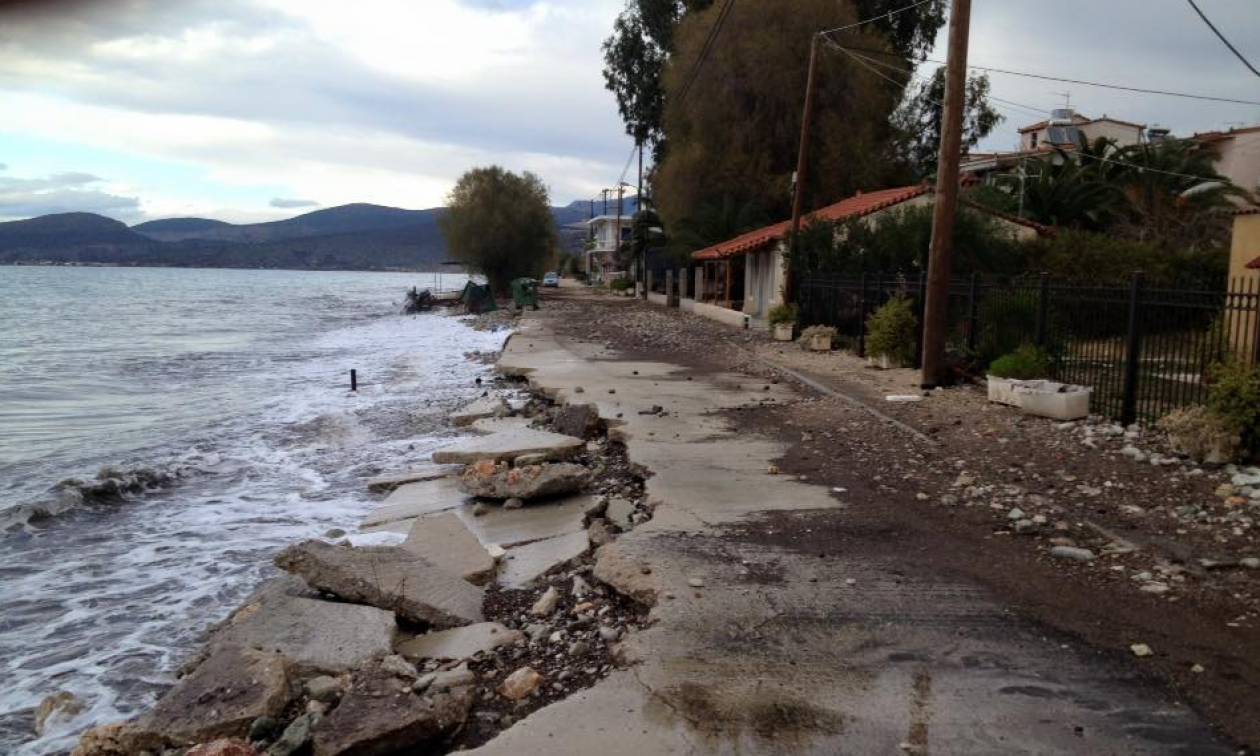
<point x="891" y="331"/>
<point x="1235" y="398"/>
<point x="784" y="313"/>
<point x="620" y="284"/>
<point x="1201" y="434"/>
<point x="1023" y="364"/>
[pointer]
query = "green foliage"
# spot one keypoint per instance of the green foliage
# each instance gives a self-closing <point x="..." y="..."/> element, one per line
<point x="620" y="284"/>
<point x="918" y="120"/>
<point x="1024" y="363"/>
<point x="892" y="330"/>
<point x="783" y="313"/>
<point x="500" y="225"/>
<point x="1235" y="398"/>
<point x="1100" y="257"/>
<point x="1007" y="320"/>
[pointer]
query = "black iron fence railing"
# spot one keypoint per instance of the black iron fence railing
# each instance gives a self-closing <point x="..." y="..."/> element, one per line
<point x="1145" y="350"/>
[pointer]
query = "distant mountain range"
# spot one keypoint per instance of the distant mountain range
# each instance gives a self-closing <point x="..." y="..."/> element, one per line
<point x="349" y="237"/>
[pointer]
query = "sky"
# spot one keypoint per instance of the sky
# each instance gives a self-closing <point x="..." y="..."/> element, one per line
<point x="248" y="110"/>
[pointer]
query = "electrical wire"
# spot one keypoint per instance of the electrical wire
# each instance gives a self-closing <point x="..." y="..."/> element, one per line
<point x="1220" y="36"/>
<point x="705" y="49"/>
<point x="873" y="19"/>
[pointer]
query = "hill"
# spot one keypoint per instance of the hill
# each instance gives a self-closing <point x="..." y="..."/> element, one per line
<point x="175" y="229"/>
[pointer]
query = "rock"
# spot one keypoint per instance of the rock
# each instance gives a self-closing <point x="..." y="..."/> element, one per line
<point x="1155" y="587"/>
<point x="223" y="747"/>
<point x="695" y="582"/>
<point x="520" y="683"/>
<point x="576" y="420"/>
<point x="398" y="666"/>
<point x="480" y="510"/>
<point x="596" y="507"/>
<point x="374" y="717"/>
<point x="609" y="634"/>
<point x="624" y="574"/>
<point x="525" y="460"/>
<point x="508" y="445"/>
<point x="620" y="512"/>
<point x="546" y="603"/>
<point x="1025" y="527"/>
<point x="513" y="504"/>
<point x="436" y="682"/>
<point x="579" y="648"/>
<point x="488" y="406"/>
<point x="446" y="542"/>
<point x="222" y="697"/>
<point x="417" y="500"/>
<point x="295" y="737"/>
<point x="488" y="480"/>
<point x="120" y="739"/>
<point x="1073" y="553"/>
<point x="1251" y="563"/>
<point x="334" y="533"/>
<point x="1225" y="490"/>
<point x="1015" y="514"/>
<point x="459" y="643"/>
<point x="598" y="533"/>
<point x="536" y="631"/>
<point x="580" y="587"/>
<point x="388" y="577"/>
<point x="56" y="709"/>
<point x="323" y="688"/>
<point x="264" y="728"/>
<point x="1141" y="649"/>
<point x="524" y="564"/>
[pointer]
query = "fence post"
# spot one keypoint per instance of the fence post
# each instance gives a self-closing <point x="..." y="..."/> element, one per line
<point x="1132" y="352"/>
<point x="971" y="313"/>
<point x="1043" y="290"/>
<point x="861" y="350"/>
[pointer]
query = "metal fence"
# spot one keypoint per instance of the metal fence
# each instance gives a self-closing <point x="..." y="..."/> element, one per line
<point x="1145" y="350"/>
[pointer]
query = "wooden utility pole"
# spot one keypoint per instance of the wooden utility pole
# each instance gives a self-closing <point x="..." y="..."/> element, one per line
<point x="640" y="262"/>
<point x="940" y="263"/>
<point x="802" y="170"/>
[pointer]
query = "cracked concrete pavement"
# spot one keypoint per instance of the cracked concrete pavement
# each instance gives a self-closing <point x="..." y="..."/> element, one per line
<point x="760" y="646"/>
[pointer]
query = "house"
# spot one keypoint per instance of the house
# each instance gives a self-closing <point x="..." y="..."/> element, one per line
<point x="747" y="273"/>
<point x="1244" y="282"/>
<point x="606" y="233"/>
<point x="1065" y="127"/>
<point x="1238" y="155"/>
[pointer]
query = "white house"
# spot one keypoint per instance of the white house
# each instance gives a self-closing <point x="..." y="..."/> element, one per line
<point x="1238" y="156"/>
<point x="1065" y="127"/>
<point x="606" y="234"/>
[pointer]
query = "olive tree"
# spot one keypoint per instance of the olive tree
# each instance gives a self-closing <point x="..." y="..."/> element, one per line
<point x="500" y="224"/>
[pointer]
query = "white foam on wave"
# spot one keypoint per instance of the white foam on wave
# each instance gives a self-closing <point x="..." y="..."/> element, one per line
<point x="108" y="604"/>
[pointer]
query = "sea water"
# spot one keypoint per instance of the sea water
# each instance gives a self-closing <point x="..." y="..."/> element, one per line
<point x="219" y="402"/>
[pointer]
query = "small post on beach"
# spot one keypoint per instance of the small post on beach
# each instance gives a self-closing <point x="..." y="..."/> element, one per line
<point x="354" y="380"/>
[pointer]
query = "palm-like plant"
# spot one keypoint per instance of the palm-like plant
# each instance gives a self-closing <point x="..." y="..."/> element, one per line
<point x="1074" y="191"/>
<point x="1174" y="192"/>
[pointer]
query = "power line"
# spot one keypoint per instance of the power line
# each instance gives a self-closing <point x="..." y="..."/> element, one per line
<point x="1082" y="82"/>
<point x="705" y="49"/>
<point x="873" y="19"/>
<point x="1217" y="32"/>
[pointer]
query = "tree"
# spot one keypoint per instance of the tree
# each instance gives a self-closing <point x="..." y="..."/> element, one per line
<point x="735" y="137"/>
<point x="500" y="224"/>
<point x="918" y="120"/>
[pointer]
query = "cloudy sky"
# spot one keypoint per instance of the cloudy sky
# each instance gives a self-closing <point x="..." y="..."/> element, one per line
<point x="258" y="109"/>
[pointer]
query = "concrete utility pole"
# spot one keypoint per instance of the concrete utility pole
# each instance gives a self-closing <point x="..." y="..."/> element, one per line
<point x="936" y="308"/>
<point x="802" y="170"/>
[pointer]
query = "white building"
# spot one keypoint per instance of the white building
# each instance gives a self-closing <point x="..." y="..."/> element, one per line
<point x="605" y="236"/>
<point x="1065" y="127"/>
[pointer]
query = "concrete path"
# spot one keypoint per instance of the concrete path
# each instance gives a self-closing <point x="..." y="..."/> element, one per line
<point x="760" y="645"/>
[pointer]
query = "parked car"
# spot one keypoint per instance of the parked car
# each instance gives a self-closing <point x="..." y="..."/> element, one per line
<point x="551" y="279"/>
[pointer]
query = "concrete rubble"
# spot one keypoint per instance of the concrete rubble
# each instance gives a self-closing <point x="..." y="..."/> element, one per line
<point x="447" y="543"/>
<point x="488" y="480"/>
<point x="508" y="445"/>
<point x="459" y="643"/>
<point x="416" y="500"/>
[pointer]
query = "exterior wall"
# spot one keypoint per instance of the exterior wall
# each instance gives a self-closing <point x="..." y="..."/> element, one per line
<point x="1124" y="135"/>
<point x="764" y="276"/>
<point x="1244" y="248"/>
<point x="604" y="234"/>
<point x="1240" y="160"/>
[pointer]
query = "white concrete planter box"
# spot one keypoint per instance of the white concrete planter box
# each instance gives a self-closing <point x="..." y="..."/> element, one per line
<point x="1002" y="390"/>
<point x="820" y="343"/>
<point x="783" y="331"/>
<point x="657" y="299"/>
<point x="880" y="361"/>
<point x="1054" y="400"/>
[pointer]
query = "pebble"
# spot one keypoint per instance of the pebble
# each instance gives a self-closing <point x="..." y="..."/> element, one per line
<point x="521" y="683"/>
<point x="1251" y="563"/>
<point x="1015" y="514"/>
<point x="546" y="603"/>
<point x="1073" y="553"/>
<point x="1141" y="649"/>
<point x="695" y="583"/>
<point x="513" y="504"/>
<point x="609" y="634"/>
<point x="479" y="509"/>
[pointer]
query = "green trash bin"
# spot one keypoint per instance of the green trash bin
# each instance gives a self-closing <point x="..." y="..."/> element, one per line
<point x="525" y="293"/>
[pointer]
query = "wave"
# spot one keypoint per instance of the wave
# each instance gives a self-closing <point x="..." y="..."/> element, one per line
<point x="111" y="486"/>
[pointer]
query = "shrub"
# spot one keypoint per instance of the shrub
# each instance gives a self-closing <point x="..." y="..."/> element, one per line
<point x="784" y="313"/>
<point x="1023" y="364"/>
<point x="891" y="331"/>
<point x="1235" y="398"/>
<point x="1007" y="320"/>
<point x="620" y="284"/>
<point x="1201" y="434"/>
<point x="808" y="334"/>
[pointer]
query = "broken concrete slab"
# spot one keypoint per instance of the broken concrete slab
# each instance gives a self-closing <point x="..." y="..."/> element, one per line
<point x="534" y="522"/>
<point x="416" y="499"/>
<point x="620" y="512"/>
<point x="498" y="424"/>
<point x="221" y="697"/>
<point x="379" y="714"/>
<point x="486" y="406"/>
<point x="309" y="634"/>
<point x="525" y="564"/>
<point x="507" y="445"/>
<point x="576" y="419"/>
<point x="387" y="577"/>
<point x="447" y="542"/>
<point x="459" y="643"/>
<point x="387" y="483"/>
<point x="488" y="480"/>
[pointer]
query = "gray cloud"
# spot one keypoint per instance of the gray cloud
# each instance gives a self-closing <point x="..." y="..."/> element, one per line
<point x="62" y="193"/>
<point x="281" y="202"/>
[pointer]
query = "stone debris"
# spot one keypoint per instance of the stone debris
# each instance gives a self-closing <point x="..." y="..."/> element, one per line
<point x="446" y="542"/>
<point x="598" y="533"/>
<point x="223" y="747"/>
<point x="508" y="445"/>
<point x="546" y="603"/>
<point x="436" y="682"/>
<point x="1141" y="649"/>
<point x="488" y="480"/>
<point x="386" y="577"/>
<point x="620" y="512"/>
<point x="1073" y="553"/>
<point x="576" y="420"/>
<point x="323" y="688"/>
<point x="296" y="737"/>
<point x="459" y="643"/>
<point x="521" y="683"/>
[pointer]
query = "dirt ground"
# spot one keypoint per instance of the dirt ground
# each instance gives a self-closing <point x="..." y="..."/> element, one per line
<point x="987" y="496"/>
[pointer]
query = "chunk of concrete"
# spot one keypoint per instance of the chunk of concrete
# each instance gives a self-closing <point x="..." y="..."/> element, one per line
<point x="459" y="643"/>
<point x="221" y="697"/>
<point x="377" y="716"/>
<point x="387" y="483"/>
<point x="508" y="445"/>
<point x="447" y="542"/>
<point x="620" y="512"/>
<point x="387" y="577"/>
<point x="512" y="527"/>
<point x="497" y="424"/>
<point x="309" y="634"/>
<point x="487" y="406"/>
<point x="576" y="419"/>
<point x="488" y="480"/>
<point x="625" y="574"/>
<point x="525" y="564"/>
<point x="416" y="499"/>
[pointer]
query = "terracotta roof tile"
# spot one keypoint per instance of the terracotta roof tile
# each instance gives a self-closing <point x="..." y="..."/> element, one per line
<point x="1254" y="264"/>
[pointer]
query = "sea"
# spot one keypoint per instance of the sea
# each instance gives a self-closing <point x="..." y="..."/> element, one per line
<point x="163" y="432"/>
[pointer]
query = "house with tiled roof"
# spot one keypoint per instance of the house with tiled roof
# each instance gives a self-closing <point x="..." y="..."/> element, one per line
<point x="746" y="273"/>
<point x="1238" y="155"/>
